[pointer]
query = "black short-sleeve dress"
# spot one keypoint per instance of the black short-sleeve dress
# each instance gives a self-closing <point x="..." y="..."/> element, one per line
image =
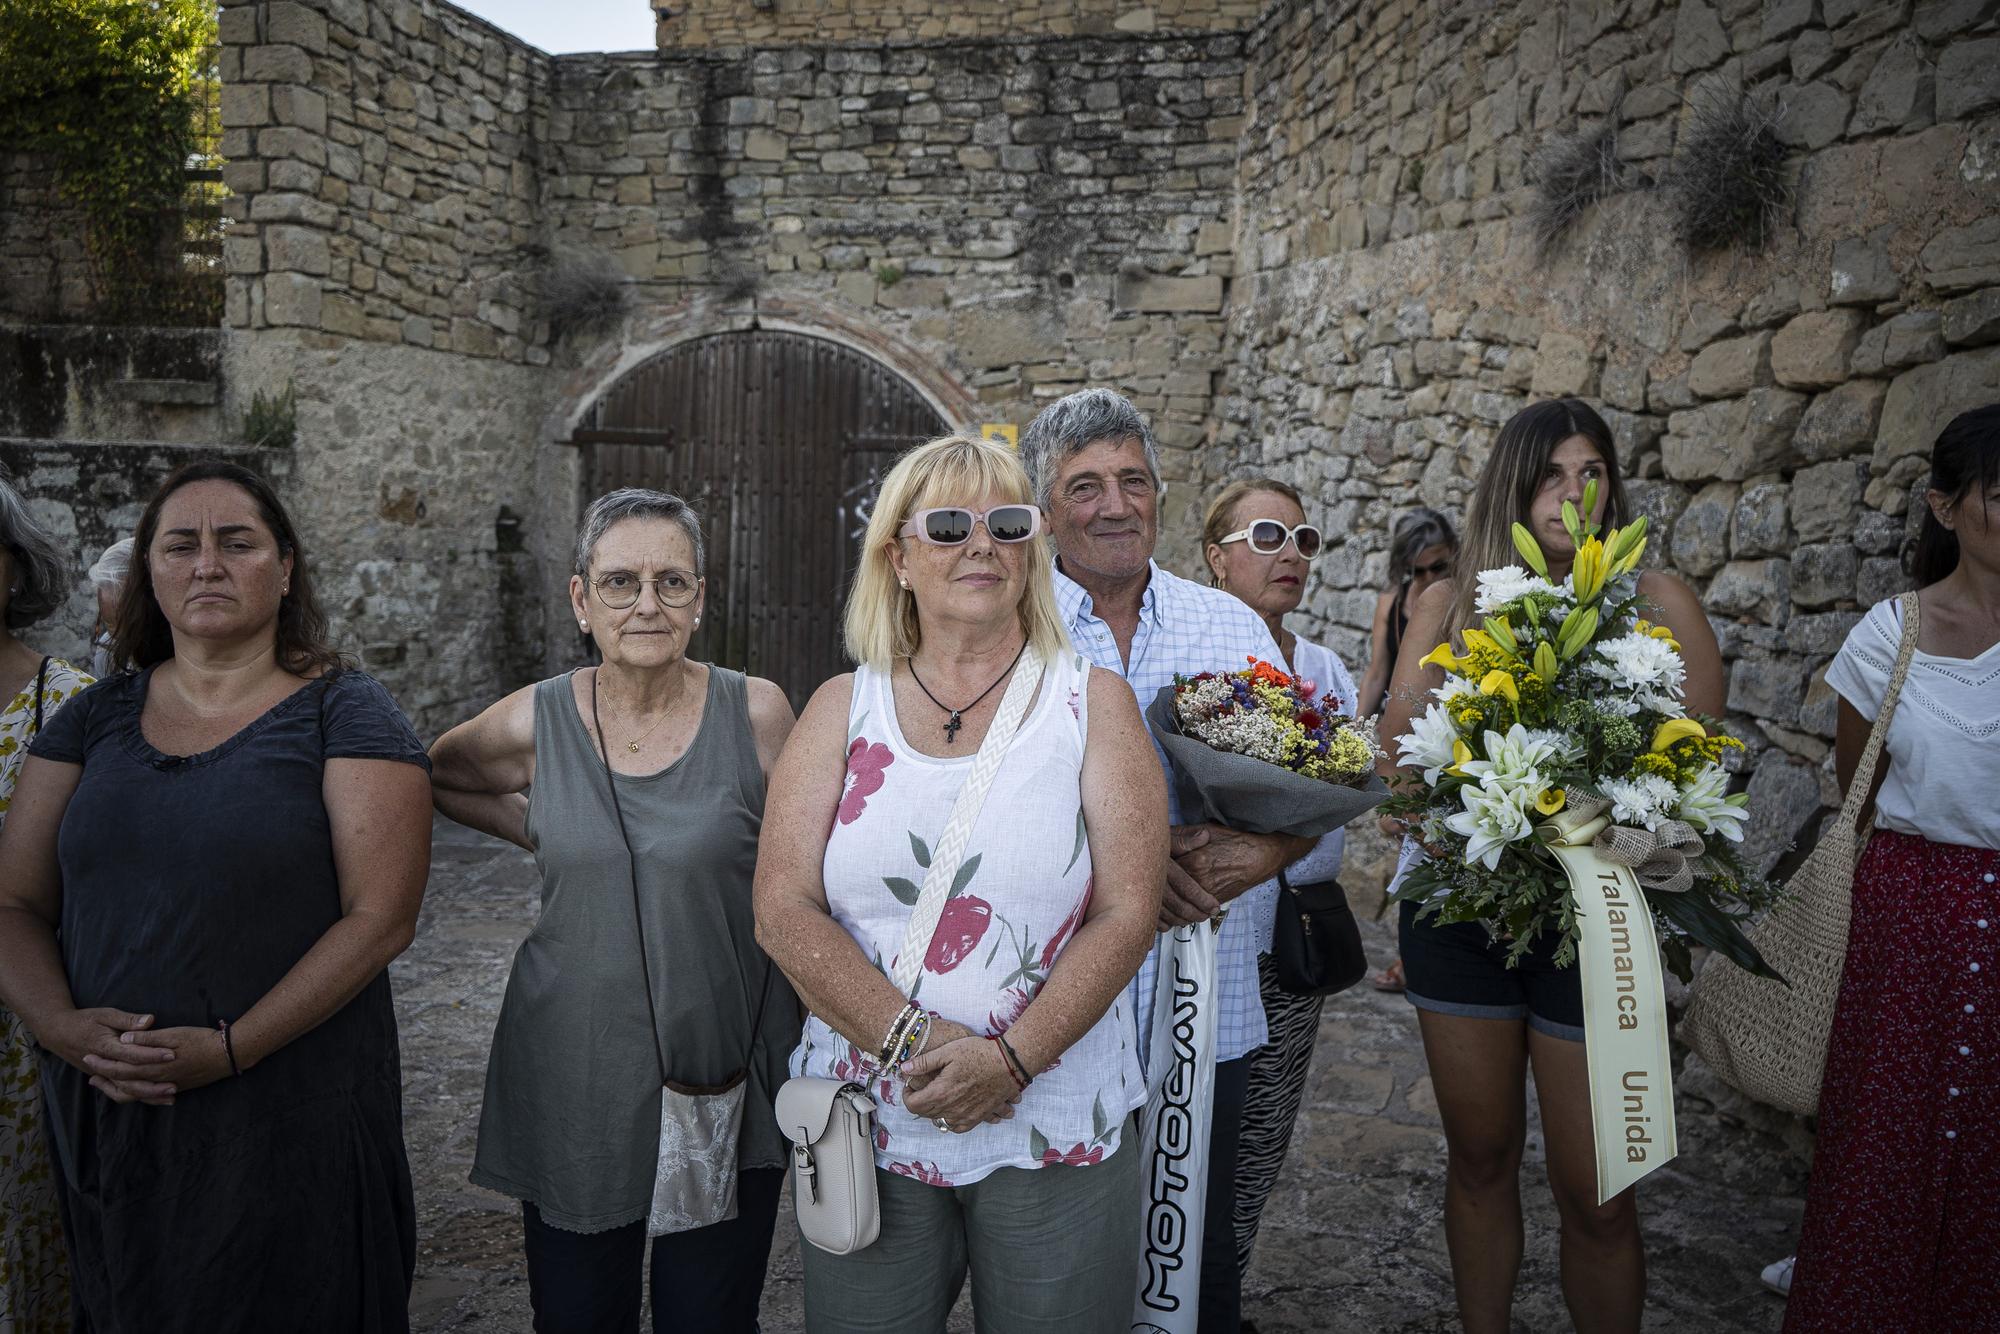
<point x="279" y="1200"/>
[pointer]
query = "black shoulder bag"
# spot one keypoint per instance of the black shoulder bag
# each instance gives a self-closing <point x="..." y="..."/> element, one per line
<point x="1315" y="941"/>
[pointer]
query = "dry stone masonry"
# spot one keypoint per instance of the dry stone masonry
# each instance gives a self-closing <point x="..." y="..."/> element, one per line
<point x="1299" y="233"/>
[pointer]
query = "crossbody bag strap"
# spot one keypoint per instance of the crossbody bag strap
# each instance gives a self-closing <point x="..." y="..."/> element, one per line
<point x="1864" y="770"/>
<point x="950" y="848"/>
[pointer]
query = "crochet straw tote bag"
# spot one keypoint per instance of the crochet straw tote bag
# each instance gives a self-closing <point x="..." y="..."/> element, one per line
<point x="1764" y="1037"/>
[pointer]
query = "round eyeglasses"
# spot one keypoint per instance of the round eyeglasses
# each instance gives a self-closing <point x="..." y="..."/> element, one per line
<point x="951" y="526"/>
<point x="1267" y="537"/>
<point x="620" y="588"/>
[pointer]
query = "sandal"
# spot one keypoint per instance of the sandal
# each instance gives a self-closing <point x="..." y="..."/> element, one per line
<point x="1390" y="979"/>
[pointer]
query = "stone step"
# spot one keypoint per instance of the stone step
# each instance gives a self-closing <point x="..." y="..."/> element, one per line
<point x="168" y="393"/>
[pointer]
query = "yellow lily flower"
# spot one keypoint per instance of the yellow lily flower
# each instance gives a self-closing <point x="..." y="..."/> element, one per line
<point x="1588" y="571"/>
<point x="1476" y="639"/>
<point x="1550" y="801"/>
<point x="1460" y="753"/>
<point x="1442" y="656"/>
<point x="1498" y="682"/>
<point x="1677" y="729"/>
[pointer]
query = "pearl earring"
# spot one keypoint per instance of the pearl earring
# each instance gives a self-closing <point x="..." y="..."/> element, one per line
<point x="583" y="626"/>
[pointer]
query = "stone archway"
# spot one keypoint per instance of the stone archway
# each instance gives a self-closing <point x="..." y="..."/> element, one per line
<point x="779" y="439"/>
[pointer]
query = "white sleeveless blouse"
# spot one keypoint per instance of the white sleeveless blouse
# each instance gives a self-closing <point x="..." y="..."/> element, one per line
<point x="1020" y="895"/>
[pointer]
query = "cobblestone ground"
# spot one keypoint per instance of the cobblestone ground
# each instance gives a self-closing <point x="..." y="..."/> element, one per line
<point x="1353" y="1237"/>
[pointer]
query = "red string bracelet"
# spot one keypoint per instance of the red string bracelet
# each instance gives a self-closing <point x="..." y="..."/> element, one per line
<point x="1008" y="1062"/>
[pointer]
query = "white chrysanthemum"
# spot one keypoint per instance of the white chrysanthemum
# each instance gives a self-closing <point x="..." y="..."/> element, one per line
<point x="1428" y="742"/>
<point x="1493" y="817"/>
<point x="1507" y="584"/>
<point x="1514" y="761"/>
<point x="1646" y="667"/>
<point x="1705" y="804"/>
<point x="1645" y="800"/>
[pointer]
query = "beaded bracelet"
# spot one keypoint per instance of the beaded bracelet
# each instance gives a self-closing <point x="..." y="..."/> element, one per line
<point x="897" y="1030"/>
<point x="914" y="1040"/>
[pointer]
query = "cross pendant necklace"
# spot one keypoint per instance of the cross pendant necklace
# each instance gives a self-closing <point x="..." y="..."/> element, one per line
<point x="956" y="722"/>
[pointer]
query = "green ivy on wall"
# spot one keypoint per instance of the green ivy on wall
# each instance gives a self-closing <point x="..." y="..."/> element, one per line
<point x="113" y="93"/>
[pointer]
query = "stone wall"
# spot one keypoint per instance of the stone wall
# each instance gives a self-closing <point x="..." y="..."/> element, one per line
<point x="703" y="23"/>
<point x="44" y="272"/>
<point x="1774" y="407"/>
<point x="1025" y="217"/>
<point x="385" y="254"/>
<point x="384" y="165"/>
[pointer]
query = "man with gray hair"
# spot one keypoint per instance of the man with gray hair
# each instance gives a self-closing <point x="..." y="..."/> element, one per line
<point x="1096" y="473"/>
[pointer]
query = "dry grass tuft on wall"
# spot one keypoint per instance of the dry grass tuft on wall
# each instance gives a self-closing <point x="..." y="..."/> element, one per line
<point x="1727" y="185"/>
<point x="583" y="288"/>
<point x="1570" y="173"/>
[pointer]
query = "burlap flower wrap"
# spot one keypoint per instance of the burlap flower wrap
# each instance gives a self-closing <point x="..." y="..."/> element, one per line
<point x="1253" y="795"/>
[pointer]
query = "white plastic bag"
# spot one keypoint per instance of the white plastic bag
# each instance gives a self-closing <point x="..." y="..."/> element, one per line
<point x="1173" y="1140"/>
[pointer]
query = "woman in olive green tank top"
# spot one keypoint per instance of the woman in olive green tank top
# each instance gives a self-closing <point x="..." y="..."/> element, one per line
<point x="570" y="1123"/>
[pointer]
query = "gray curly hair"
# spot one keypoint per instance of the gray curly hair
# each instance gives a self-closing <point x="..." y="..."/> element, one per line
<point x="1074" y="423"/>
<point x="41" y="567"/>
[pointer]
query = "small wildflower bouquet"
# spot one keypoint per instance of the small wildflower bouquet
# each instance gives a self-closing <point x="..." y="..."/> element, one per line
<point x="1565" y="789"/>
<point x="1254" y="750"/>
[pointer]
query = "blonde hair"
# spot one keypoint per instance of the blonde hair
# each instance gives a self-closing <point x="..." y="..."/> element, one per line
<point x="881" y="621"/>
<point x="1215" y="523"/>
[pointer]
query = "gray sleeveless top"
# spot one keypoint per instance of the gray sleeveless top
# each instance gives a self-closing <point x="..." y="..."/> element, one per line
<point x="571" y="1119"/>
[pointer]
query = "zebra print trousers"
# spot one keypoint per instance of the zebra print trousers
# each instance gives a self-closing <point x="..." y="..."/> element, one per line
<point x="1277" y="1086"/>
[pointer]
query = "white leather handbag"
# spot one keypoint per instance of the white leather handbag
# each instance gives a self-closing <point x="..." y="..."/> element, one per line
<point x="830" y="1122"/>
<point x="830" y="1125"/>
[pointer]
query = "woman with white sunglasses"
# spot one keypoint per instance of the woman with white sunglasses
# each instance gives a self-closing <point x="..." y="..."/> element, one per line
<point x="1259" y="547"/>
<point x="1006" y="1072"/>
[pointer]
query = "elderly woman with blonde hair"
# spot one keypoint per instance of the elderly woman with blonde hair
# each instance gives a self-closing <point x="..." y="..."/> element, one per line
<point x="1005" y="1074"/>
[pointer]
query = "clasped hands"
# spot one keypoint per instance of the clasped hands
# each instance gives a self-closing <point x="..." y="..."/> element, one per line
<point x="960" y="1078"/>
<point x="1212" y="864"/>
<point x="128" y="1060"/>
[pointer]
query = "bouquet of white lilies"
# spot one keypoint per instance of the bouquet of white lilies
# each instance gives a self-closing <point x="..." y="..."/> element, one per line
<point x="1565" y="788"/>
<point x="1563" y="711"/>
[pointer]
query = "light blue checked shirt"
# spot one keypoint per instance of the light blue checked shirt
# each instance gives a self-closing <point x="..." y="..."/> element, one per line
<point x="1186" y="628"/>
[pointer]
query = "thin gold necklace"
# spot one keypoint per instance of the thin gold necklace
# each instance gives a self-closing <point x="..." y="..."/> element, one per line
<point x="633" y="744"/>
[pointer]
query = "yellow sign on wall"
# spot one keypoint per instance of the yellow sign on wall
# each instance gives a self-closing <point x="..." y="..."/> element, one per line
<point x="1001" y="433"/>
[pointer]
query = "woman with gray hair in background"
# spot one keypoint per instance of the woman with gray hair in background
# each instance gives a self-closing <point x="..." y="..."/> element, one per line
<point x="638" y="785"/>
<point x="34" y="1277"/>
<point x="107" y="577"/>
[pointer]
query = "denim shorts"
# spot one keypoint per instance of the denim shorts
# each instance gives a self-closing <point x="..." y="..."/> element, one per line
<point x="1458" y="969"/>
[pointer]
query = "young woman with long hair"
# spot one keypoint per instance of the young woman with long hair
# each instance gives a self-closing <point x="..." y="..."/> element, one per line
<point x="1904" y="1202"/>
<point x="1485" y="1024"/>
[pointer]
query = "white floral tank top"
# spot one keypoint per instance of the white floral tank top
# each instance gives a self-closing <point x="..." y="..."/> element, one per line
<point x="1019" y="896"/>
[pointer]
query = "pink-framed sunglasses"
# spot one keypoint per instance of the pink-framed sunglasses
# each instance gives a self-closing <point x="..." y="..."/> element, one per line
<point x="951" y="525"/>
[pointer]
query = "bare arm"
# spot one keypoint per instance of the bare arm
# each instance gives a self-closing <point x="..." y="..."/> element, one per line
<point x="32" y="981"/>
<point x="1705" y="692"/>
<point x="795" y="925"/>
<point x="1850" y="738"/>
<point x="1376" y="682"/>
<point x="481" y="769"/>
<point x="1411" y="682"/>
<point x="771" y="721"/>
<point x="380" y="821"/>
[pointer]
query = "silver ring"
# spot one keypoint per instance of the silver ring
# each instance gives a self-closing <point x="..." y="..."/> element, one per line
<point x="941" y="1124"/>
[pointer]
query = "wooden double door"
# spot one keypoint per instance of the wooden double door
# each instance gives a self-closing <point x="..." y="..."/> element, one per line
<point x="779" y="441"/>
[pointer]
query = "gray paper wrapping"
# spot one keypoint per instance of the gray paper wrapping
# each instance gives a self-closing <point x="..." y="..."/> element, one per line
<point x="1254" y="796"/>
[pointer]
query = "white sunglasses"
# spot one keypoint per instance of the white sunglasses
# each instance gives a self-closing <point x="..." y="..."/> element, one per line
<point x="1267" y="537"/>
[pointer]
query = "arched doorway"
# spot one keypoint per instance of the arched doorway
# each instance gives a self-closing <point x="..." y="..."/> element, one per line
<point x="779" y="440"/>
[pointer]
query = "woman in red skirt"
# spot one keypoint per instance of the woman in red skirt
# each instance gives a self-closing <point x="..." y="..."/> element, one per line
<point x="1902" y="1226"/>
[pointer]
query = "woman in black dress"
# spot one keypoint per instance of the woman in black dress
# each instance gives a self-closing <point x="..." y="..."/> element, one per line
<point x="208" y="866"/>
